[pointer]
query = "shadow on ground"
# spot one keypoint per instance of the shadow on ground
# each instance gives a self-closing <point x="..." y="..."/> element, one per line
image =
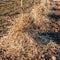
<point x="45" y="38"/>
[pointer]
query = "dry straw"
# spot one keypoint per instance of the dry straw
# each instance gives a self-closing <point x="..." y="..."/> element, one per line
<point x="18" y="43"/>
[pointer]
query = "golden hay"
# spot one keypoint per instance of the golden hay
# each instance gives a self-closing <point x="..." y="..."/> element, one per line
<point x="19" y="45"/>
<point x="40" y="15"/>
<point x="20" y="25"/>
<point x="39" y="10"/>
<point x="17" y="42"/>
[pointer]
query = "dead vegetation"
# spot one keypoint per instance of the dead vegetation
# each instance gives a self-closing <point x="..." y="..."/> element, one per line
<point x="20" y="43"/>
<point x="23" y="46"/>
<point x="40" y="15"/>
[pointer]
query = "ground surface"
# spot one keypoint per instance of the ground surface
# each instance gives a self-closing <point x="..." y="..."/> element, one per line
<point x="33" y="35"/>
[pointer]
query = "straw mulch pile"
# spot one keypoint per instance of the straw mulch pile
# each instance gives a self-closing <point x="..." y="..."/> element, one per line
<point x="19" y="44"/>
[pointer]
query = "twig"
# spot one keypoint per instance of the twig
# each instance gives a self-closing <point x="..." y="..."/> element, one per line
<point x="22" y="7"/>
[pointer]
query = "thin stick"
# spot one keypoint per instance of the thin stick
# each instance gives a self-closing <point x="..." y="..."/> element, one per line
<point x="21" y="3"/>
<point x="22" y="7"/>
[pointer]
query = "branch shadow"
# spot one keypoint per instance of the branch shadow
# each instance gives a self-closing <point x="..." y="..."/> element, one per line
<point x="54" y="16"/>
<point x="44" y="38"/>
